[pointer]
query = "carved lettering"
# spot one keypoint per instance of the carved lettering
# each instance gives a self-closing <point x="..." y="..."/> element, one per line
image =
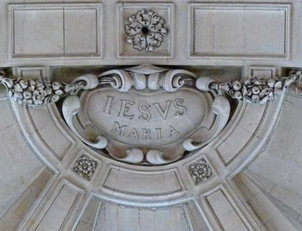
<point x="142" y="112"/>
<point x="144" y="109"/>
<point x="133" y="134"/>
<point x="119" y="129"/>
<point x="163" y="112"/>
<point x="158" y="131"/>
<point x="125" y="106"/>
<point x="146" y="134"/>
<point x="180" y="108"/>
<point x="108" y="104"/>
<point x="172" y="131"/>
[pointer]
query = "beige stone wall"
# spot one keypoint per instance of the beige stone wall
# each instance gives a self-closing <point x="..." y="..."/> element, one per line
<point x="253" y="165"/>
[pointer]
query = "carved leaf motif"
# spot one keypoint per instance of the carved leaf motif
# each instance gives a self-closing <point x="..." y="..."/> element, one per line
<point x="154" y="40"/>
<point x="133" y="27"/>
<point x="139" y="42"/>
<point x="144" y="17"/>
<point x="157" y="23"/>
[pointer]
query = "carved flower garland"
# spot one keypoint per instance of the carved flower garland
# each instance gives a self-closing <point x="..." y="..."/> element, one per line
<point x="34" y="93"/>
<point x="145" y="30"/>
<point x="257" y="90"/>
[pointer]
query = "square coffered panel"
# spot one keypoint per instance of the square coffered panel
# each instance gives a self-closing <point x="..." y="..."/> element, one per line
<point x="240" y="31"/>
<point x="163" y="10"/>
<point x="54" y="31"/>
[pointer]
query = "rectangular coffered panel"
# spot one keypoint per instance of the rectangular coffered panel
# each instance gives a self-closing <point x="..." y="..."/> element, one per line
<point x="150" y="183"/>
<point x="225" y="212"/>
<point x="239" y="30"/>
<point x="56" y="30"/>
<point x="59" y="209"/>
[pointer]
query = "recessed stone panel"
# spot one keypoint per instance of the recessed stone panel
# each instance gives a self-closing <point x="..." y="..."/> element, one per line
<point x="225" y="212"/>
<point x="262" y="72"/>
<point x="37" y="32"/>
<point x="60" y="208"/>
<point x="82" y="31"/>
<point x="150" y="183"/>
<point x="57" y="30"/>
<point x="239" y="31"/>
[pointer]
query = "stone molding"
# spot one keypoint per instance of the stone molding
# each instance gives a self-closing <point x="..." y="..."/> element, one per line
<point x="110" y="182"/>
<point x="141" y="145"/>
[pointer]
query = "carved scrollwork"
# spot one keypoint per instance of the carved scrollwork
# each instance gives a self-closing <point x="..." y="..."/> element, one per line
<point x="133" y="155"/>
<point x="71" y="107"/>
<point x="221" y="108"/>
<point x="148" y="77"/>
<point x="145" y="126"/>
<point x="145" y="114"/>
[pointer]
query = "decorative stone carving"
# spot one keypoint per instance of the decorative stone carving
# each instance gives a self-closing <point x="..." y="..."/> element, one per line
<point x="85" y="166"/>
<point x="36" y="93"/>
<point x="161" y="116"/>
<point x="145" y="30"/>
<point x="39" y="93"/>
<point x="253" y="90"/>
<point x="200" y="171"/>
<point x="164" y="112"/>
